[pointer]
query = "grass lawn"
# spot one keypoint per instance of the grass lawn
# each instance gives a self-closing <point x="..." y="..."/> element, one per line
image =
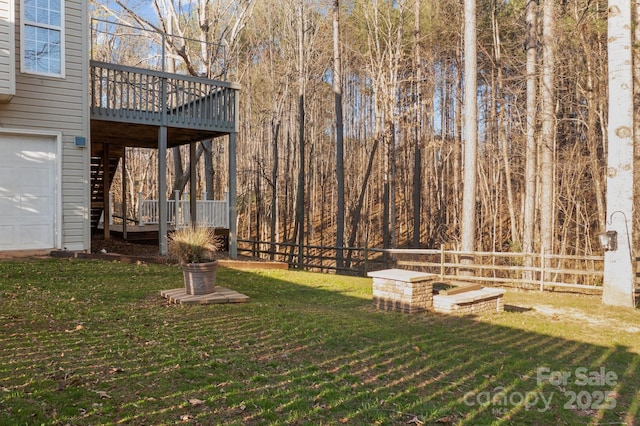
<point x="92" y="342"/>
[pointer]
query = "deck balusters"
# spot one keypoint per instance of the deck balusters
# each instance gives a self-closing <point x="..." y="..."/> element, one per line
<point x="133" y="95"/>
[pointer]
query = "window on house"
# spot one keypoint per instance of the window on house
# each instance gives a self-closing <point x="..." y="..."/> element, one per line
<point x="42" y="38"/>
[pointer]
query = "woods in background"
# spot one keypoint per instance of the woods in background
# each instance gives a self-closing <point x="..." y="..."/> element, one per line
<point x="541" y="102"/>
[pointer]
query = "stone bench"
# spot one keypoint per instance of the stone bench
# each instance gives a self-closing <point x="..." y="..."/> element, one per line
<point x="469" y="301"/>
<point x="402" y="290"/>
<point x="409" y="291"/>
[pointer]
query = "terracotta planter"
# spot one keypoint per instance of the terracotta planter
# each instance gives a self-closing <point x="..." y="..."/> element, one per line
<point x="200" y="278"/>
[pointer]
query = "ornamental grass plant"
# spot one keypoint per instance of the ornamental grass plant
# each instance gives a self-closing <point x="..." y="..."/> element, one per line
<point x="193" y="244"/>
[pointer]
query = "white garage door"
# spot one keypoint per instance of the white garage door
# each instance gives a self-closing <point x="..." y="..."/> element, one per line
<point x="27" y="192"/>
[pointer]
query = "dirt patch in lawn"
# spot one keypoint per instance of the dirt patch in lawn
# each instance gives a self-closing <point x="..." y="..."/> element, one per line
<point x="573" y="314"/>
<point x="116" y="245"/>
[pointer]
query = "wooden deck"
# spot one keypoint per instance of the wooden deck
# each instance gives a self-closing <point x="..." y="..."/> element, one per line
<point x="129" y="104"/>
<point x="148" y="234"/>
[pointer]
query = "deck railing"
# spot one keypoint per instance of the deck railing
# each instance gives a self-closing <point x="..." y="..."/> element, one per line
<point x="136" y="95"/>
<point x="209" y="213"/>
<point x="136" y="79"/>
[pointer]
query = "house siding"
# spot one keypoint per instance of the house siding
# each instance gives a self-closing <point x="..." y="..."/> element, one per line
<point x="48" y="104"/>
<point x="7" y="51"/>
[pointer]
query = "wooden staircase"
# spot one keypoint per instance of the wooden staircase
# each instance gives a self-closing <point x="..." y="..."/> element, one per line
<point x="98" y="194"/>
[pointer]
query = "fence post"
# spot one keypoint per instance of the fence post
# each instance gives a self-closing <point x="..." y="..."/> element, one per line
<point x="441" y="262"/>
<point x="366" y="260"/>
<point x="542" y="268"/>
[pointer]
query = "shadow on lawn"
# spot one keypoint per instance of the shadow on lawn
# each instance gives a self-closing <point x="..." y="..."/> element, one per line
<point x="513" y="308"/>
<point x="296" y="354"/>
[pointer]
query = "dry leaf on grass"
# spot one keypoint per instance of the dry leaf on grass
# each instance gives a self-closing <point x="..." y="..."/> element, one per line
<point x="195" y="402"/>
<point x="447" y="420"/>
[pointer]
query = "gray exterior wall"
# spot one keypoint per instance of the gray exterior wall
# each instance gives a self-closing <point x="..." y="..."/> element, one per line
<point x="7" y="51"/>
<point x="59" y="105"/>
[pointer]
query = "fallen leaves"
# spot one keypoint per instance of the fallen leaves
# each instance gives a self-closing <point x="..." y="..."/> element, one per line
<point x="103" y="394"/>
<point x="451" y="419"/>
<point x="415" y="421"/>
<point x="195" y="402"/>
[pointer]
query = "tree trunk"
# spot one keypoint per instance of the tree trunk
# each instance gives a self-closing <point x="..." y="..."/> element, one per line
<point x="636" y="110"/>
<point x="500" y="125"/>
<point x="299" y="228"/>
<point x="337" y="90"/>
<point x="417" y="131"/>
<point x="531" y="148"/>
<point x="356" y="214"/>
<point x="209" y="171"/>
<point x="470" y="132"/>
<point x="547" y="140"/>
<point x="182" y="176"/>
<point x="274" y="187"/>
<point x="618" y="285"/>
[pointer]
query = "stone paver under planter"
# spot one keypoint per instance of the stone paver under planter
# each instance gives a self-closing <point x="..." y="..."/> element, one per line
<point x="219" y="295"/>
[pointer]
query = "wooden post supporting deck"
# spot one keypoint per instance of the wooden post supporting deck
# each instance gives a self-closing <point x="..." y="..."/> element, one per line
<point x="193" y="187"/>
<point x="162" y="190"/>
<point x="106" y="185"/>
